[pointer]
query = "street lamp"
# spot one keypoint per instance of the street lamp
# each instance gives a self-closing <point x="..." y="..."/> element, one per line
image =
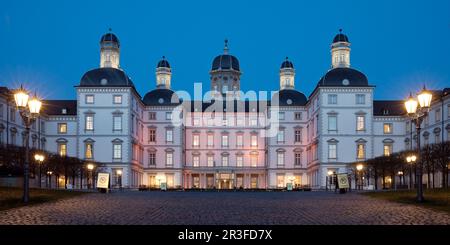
<point x="39" y="159"/>
<point x="90" y="167"/>
<point x="400" y="174"/>
<point x="417" y="110"/>
<point x="29" y="111"/>
<point x="119" y="174"/>
<point x="411" y="160"/>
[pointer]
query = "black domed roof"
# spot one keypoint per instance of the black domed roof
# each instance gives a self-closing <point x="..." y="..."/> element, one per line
<point x="340" y="37"/>
<point x="225" y="62"/>
<point x="110" y="37"/>
<point x="344" y="77"/>
<point x="163" y="63"/>
<point x="290" y="97"/>
<point x="106" y="77"/>
<point x="287" y="64"/>
<point x="161" y="96"/>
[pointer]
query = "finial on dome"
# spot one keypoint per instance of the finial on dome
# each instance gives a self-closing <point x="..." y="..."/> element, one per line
<point x="225" y="49"/>
<point x="340" y="30"/>
<point x="110" y="29"/>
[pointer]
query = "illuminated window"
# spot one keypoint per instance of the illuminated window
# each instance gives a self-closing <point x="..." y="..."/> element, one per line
<point x="62" y="149"/>
<point x="253" y="160"/>
<point x="62" y="128"/>
<point x="169" y="159"/>
<point x="387" y="128"/>
<point x="387" y="149"/>
<point x="210" y="161"/>
<point x="89" y="99"/>
<point x="210" y="140"/>
<point x="280" y="181"/>
<point x="224" y="161"/>
<point x="117" y="99"/>
<point x="361" y="153"/>
<point x="254" y="140"/>
<point x="239" y="140"/>
<point x="225" y="140"/>
<point x="239" y="161"/>
<point x="89" y="123"/>
<point x="195" y="140"/>
<point x="196" y="161"/>
<point x="88" y="152"/>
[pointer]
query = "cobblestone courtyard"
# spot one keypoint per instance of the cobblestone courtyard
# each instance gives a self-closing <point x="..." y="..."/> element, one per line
<point x="198" y="208"/>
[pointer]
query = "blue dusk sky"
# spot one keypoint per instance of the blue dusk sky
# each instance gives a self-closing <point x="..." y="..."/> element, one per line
<point x="399" y="45"/>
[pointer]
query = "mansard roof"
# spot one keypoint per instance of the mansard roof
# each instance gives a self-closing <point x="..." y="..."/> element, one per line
<point x="389" y="108"/>
<point x="55" y="107"/>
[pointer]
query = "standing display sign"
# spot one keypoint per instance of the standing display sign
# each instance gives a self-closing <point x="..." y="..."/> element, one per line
<point x="342" y="181"/>
<point x="103" y="180"/>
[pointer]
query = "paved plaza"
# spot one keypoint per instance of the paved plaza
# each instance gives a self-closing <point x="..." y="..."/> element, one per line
<point x="231" y="208"/>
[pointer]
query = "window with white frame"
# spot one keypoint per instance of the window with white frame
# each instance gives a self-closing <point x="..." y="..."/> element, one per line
<point x="360" y="99"/>
<point x="169" y="135"/>
<point x="117" y="99"/>
<point x="280" y="135"/>
<point x="196" y="121"/>
<point x="280" y="158"/>
<point x="152" y="116"/>
<point x="332" y="123"/>
<point x="240" y="140"/>
<point x="360" y="123"/>
<point x="152" y="159"/>
<point x="89" y="126"/>
<point x="169" y="158"/>
<point x="298" y="116"/>
<point x="117" y="151"/>
<point x="332" y="151"/>
<point x="210" y="161"/>
<point x="298" y="135"/>
<point x="210" y="140"/>
<point x="281" y="115"/>
<point x="240" y="121"/>
<point x="196" y="140"/>
<point x="254" y="140"/>
<point x="437" y="115"/>
<point x="196" y="161"/>
<point x="117" y="122"/>
<point x="225" y="161"/>
<point x="62" y="128"/>
<point x="253" y="121"/>
<point x="254" y="160"/>
<point x="224" y="140"/>
<point x="168" y="115"/>
<point x="298" y="159"/>
<point x="151" y="135"/>
<point x="89" y="99"/>
<point x="280" y="180"/>
<point x="332" y="99"/>
<point x="239" y="161"/>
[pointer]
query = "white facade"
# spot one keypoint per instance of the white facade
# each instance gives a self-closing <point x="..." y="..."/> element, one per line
<point x="340" y="123"/>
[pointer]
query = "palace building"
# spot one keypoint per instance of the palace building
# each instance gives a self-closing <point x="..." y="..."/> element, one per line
<point x="230" y="140"/>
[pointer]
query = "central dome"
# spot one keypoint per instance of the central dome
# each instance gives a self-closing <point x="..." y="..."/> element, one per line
<point x="225" y="62"/>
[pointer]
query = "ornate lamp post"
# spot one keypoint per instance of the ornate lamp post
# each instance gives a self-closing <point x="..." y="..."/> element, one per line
<point x="29" y="111"/>
<point x="359" y="168"/>
<point x="411" y="160"/>
<point x="417" y="110"/>
<point x="39" y="159"/>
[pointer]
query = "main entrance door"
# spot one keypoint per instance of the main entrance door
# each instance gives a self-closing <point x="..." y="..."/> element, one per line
<point x="225" y="181"/>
